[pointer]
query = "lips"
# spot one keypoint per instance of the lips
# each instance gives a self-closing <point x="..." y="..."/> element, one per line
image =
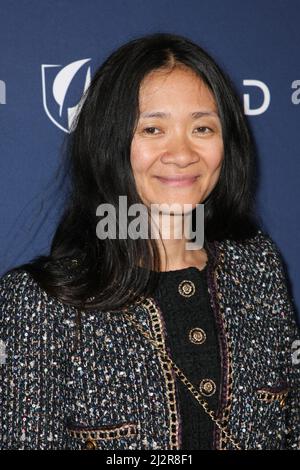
<point x="181" y="180"/>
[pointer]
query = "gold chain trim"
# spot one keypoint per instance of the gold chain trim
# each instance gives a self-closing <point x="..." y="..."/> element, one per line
<point x="229" y="376"/>
<point x="227" y="408"/>
<point x="124" y="430"/>
<point x="269" y="397"/>
<point x="167" y="360"/>
<point x="167" y="370"/>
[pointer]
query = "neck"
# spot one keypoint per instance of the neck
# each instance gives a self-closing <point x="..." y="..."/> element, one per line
<point x="173" y="244"/>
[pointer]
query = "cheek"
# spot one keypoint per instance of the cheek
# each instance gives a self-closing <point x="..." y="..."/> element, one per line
<point x="140" y="157"/>
<point x="215" y="158"/>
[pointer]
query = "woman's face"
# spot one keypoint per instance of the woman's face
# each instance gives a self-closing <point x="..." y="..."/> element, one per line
<point x="177" y="148"/>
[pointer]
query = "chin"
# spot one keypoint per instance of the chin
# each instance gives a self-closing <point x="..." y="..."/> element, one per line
<point x="191" y="204"/>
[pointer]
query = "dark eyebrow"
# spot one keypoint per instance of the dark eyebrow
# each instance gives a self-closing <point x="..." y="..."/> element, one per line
<point x="195" y="115"/>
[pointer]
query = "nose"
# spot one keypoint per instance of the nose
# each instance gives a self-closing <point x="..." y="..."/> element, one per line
<point x="179" y="151"/>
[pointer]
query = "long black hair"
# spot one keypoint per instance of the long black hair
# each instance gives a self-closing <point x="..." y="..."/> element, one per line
<point x="88" y="272"/>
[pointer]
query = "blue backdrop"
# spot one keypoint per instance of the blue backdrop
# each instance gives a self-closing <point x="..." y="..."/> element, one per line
<point x="50" y="49"/>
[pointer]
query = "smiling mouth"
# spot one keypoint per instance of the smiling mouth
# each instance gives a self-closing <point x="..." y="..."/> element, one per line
<point x="177" y="180"/>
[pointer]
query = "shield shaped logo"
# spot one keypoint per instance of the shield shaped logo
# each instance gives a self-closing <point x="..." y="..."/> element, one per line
<point x="56" y="84"/>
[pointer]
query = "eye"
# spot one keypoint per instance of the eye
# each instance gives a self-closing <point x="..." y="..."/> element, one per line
<point x="203" y="128"/>
<point x="150" y="130"/>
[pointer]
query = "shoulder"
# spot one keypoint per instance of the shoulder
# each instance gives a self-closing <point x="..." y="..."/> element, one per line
<point x="22" y="299"/>
<point x="255" y="267"/>
<point x="255" y="264"/>
<point x="260" y="252"/>
<point x="17" y="282"/>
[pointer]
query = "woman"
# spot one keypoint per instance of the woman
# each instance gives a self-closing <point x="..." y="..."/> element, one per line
<point x="122" y="342"/>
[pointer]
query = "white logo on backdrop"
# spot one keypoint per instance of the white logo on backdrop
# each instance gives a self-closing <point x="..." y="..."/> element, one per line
<point x="55" y="89"/>
<point x="296" y="94"/>
<point x="265" y="95"/>
<point x="2" y="92"/>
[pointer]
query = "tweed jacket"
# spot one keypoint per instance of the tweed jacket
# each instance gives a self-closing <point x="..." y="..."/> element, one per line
<point x="112" y="390"/>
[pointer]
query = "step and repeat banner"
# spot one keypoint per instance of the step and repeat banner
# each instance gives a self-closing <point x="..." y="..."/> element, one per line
<point x="49" y="51"/>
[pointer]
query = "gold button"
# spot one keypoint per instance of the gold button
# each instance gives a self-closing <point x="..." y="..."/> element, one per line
<point x="186" y="288"/>
<point x="197" y="335"/>
<point x="207" y="387"/>
<point x="91" y="444"/>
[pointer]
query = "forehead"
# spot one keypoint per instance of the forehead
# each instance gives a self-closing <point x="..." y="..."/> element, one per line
<point x="182" y="84"/>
